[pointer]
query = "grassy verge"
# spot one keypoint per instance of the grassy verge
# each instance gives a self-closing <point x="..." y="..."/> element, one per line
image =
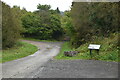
<point x="21" y="49"/>
<point x="66" y="47"/>
<point x="108" y="51"/>
<point x="33" y="39"/>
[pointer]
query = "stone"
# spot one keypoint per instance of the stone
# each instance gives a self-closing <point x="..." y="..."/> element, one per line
<point x="70" y="53"/>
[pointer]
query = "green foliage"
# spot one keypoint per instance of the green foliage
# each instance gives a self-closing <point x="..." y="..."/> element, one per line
<point x="57" y="10"/>
<point x="30" y="22"/>
<point x="56" y="26"/>
<point x="93" y="19"/>
<point x="11" y="26"/>
<point x="20" y="49"/>
<point x="42" y="24"/>
<point x="81" y="23"/>
<point x="66" y="23"/>
<point x="109" y="50"/>
<point x="43" y="7"/>
<point x="104" y="16"/>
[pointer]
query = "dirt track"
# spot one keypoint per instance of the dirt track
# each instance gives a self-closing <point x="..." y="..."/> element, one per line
<point x="26" y="67"/>
<point x="42" y="65"/>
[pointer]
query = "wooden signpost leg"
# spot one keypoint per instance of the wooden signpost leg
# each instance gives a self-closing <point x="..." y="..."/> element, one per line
<point x="91" y="53"/>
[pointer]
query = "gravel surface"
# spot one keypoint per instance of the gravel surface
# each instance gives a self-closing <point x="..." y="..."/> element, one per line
<point x="79" y="69"/>
<point x="42" y="65"/>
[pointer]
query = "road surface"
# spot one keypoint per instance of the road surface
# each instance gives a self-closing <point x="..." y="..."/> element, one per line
<point x="27" y="67"/>
<point x="42" y="65"/>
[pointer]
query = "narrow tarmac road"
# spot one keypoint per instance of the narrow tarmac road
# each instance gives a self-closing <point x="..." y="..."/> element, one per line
<point x="42" y="65"/>
<point x="26" y="67"/>
<point x="79" y="69"/>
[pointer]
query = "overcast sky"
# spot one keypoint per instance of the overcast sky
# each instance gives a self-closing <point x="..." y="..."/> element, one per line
<point x="31" y="5"/>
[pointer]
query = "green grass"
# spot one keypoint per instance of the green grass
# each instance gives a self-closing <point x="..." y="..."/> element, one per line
<point x="66" y="47"/>
<point x="21" y="49"/>
<point x="33" y="39"/>
<point x="108" y="51"/>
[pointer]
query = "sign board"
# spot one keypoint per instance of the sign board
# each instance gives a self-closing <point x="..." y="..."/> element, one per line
<point x="93" y="46"/>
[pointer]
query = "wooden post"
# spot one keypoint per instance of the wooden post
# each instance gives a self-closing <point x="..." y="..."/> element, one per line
<point x="91" y="53"/>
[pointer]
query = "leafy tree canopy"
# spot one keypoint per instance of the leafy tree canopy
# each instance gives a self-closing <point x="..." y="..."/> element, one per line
<point x="43" y="7"/>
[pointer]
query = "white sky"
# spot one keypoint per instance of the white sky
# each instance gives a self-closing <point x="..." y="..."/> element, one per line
<point x="31" y="5"/>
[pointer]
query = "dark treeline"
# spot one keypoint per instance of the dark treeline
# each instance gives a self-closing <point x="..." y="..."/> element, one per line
<point x="87" y="21"/>
<point x="43" y="23"/>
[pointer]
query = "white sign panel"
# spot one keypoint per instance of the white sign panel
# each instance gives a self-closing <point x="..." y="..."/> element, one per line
<point x="93" y="46"/>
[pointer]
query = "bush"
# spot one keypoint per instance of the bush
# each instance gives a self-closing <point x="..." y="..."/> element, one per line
<point x="11" y="26"/>
<point x="42" y="25"/>
<point x="93" y="19"/>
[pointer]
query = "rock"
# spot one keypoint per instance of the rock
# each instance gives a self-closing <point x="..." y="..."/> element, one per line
<point x="70" y="53"/>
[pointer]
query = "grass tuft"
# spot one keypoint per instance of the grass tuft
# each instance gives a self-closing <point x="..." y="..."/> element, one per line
<point x="21" y="49"/>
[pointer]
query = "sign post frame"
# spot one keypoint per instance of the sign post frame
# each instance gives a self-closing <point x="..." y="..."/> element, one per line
<point x="93" y="47"/>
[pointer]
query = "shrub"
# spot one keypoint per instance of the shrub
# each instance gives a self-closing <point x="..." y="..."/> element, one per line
<point x="11" y="26"/>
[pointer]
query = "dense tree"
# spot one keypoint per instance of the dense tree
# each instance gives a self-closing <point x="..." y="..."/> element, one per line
<point x="55" y="25"/>
<point x="81" y="23"/>
<point x="11" y="26"/>
<point x="42" y="24"/>
<point x="43" y="7"/>
<point x="104" y="16"/>
<point x="58" y="11"/>
<point x="93" y="19"/>
<point x="66" y="23"/>
<point x="30" y="22"/>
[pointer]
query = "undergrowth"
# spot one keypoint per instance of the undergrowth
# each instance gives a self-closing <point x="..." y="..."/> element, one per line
<point x="108" y="50"/>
